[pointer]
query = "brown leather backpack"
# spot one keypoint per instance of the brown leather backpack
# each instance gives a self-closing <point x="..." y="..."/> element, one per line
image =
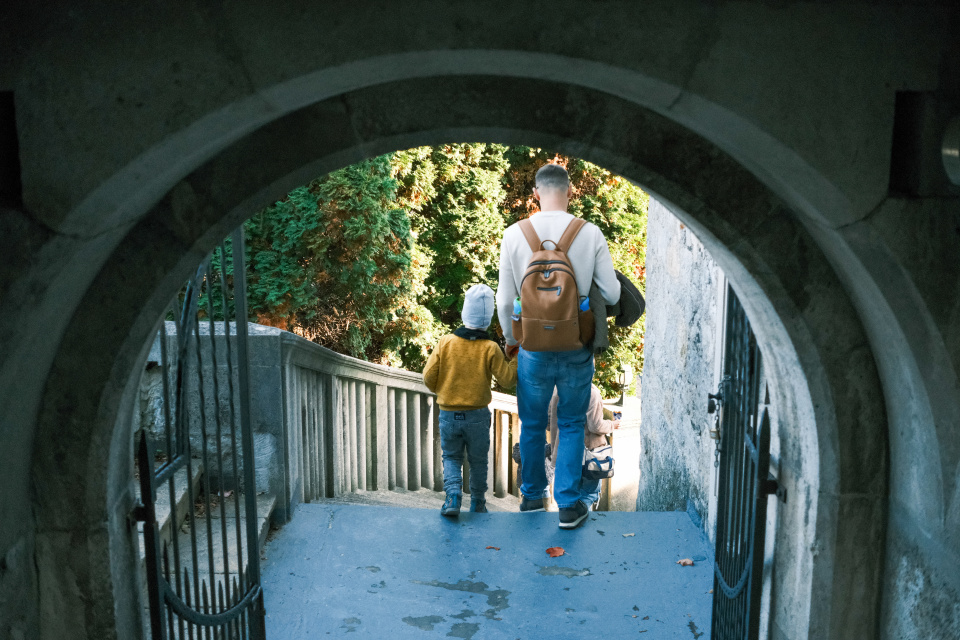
<point x="550" y="317"/>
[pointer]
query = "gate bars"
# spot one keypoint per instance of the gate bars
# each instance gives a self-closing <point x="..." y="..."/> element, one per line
<point x="189" y="595"/>
<point x="744" y="483"/>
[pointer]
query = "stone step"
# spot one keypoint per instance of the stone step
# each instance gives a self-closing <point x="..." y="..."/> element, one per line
<point x="419" y="499"/>
<point x="200" y="573"/>
<point x="211" y="529"/>
<point x="182" y="500"/>
<point x="182" y="495"/>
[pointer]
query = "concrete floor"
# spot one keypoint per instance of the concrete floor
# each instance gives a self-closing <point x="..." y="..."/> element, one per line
<point x="386" y="572"/>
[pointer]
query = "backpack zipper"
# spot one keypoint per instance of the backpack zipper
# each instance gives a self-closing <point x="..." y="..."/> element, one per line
<point x="547" y="271"/>
<point x="547" y="262"/>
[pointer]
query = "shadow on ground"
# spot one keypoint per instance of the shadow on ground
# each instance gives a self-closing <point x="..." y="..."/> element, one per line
<point x="385" y="572"/>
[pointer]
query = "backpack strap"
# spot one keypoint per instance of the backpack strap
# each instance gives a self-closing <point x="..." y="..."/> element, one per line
<point x="530" y="234"/>
<point x="570" y="234"/>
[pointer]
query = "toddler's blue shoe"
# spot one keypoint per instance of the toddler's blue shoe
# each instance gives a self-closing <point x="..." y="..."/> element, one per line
<point x="451" y="506"/>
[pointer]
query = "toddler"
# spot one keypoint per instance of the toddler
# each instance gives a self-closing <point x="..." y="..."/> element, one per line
<point x="459" y="371"/>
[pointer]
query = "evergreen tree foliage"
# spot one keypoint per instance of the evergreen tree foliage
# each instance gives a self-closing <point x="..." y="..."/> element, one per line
<point x="454" y="194"/>
<point x="373" y="260"/>
<point x="334" y="260"/>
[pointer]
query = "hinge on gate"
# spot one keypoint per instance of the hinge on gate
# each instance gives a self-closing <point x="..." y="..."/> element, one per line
<point x="141" y="513"/>
<point x="772" y="487"/>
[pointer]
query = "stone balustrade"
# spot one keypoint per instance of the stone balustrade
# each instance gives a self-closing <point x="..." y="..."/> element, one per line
<point x="326" y="424"/>
<point x="353" y="425"/>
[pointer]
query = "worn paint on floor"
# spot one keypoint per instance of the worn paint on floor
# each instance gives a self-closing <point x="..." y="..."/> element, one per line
<point x="383" y="572"/>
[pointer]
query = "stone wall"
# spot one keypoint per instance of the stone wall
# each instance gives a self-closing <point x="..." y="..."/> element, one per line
<point x="677" y="453"/>
<point x="686" y="299"/>
<point x="266" y="404"/>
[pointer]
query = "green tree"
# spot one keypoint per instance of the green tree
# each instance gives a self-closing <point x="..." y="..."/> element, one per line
<point x="454" y="194"/>
<point x="373" y="260"/>
<point x="333" y="260"/>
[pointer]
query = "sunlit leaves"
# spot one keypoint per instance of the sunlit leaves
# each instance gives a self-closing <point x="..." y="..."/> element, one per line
<point x="373" y="260"/>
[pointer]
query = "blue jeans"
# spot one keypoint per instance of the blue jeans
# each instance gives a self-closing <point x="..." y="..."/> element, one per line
<point x="537" y="375"/>
<point x="470" y="430"/>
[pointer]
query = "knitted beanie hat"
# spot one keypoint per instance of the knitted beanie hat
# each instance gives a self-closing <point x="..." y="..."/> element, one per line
<point x="478" y="307"/>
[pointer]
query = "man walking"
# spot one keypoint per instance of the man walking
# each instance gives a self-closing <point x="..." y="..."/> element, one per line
<point x="539" y="372"/>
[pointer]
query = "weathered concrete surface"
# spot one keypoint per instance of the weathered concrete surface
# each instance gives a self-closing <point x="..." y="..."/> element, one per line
<point x="912" y="247"/>
<point x="147" y="132"/>
<point x="266" y="402"/>
<point x="377" y="572"/>
<point x="684" y="360"/>
<point x="683" y="287"/>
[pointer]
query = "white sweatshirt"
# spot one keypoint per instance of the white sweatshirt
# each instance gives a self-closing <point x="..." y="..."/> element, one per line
<point x="589" y="256"/>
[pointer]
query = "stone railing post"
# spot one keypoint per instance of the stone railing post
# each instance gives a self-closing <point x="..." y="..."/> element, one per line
<point x="413" y="441"/>
<point x="381" y="438"/>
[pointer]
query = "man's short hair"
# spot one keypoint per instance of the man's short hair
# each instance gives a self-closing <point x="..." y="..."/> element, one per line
<point x="552" y="176"/>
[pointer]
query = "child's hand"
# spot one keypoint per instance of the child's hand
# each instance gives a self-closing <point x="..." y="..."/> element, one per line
<point x="512" y="350"/>
<point x="616" y="424"/>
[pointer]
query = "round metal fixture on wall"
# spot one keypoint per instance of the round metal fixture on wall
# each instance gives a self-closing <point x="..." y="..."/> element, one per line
<point x="950" y="150"/>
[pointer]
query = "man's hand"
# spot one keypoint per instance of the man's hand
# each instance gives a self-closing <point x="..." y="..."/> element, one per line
<point x="512" y="350"/>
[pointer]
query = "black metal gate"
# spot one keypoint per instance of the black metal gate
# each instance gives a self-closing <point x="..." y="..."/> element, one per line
<point x="197" y="484"/>
<point x="743" y="483"/>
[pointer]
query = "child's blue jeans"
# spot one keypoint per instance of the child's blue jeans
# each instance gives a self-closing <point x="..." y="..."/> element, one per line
<point x="470" y="430"/>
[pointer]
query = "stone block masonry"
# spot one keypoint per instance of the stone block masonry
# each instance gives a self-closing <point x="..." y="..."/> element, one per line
<point x="680" y="369"/>
<point x="266" y="407"/>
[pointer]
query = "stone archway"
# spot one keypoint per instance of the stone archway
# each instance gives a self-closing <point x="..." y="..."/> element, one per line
<point x="812" y="332"/>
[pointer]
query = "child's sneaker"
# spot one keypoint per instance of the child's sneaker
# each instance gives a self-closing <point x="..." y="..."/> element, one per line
<point x="478" y="506"/>
<point x="528" y="504"/>
<point x="451" y="506"/>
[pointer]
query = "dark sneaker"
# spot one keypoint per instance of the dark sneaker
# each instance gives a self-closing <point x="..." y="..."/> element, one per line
<point x="526" y="504"/>
<point x="571" y="518"/>
<point x="451" y="506"/>
<point x="478" y="506"/>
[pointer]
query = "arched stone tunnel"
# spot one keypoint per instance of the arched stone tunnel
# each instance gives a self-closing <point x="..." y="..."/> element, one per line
<point x="800" y="141"/>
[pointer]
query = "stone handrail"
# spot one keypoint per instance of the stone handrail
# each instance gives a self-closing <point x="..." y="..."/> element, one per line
<point x="326" y="424"/>
<point x="353" y="425"/>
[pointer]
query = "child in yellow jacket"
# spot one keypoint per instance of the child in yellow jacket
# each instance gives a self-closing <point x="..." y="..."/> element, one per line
<point x="459" y="371"/>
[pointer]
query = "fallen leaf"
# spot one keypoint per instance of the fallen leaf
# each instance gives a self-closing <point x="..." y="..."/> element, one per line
<point x="686" y="562"/>
<point x="495" y="548"/>
<point x="646" y="617"/>
<point x="711" y="591"/>
<point x="629" y="535"/>
<point x="227" y="494"/>
<point x="555" y="552"/>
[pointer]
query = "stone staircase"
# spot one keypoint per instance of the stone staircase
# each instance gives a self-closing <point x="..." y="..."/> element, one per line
<point x="415" y="499"/>
<point x="207" y="530"/>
